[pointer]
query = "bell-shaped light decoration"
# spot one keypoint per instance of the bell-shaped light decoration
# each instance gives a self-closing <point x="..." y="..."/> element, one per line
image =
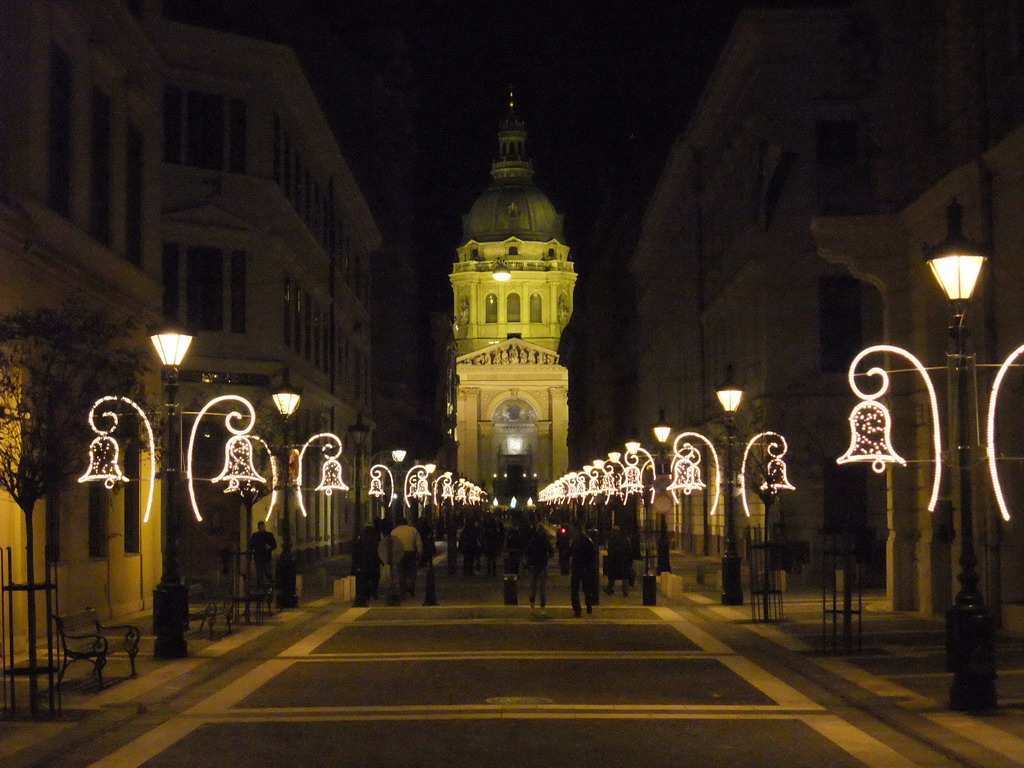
<point x="686" y="476"/>
<point x="238" y="464"/>
<point x="330" y="477"/>
<point x="631" y="482"/>
<point x="376" y="485"/>
<point x="103" y="452"/>
<point x="870" y="428"/>
<point x="775" y="478"/>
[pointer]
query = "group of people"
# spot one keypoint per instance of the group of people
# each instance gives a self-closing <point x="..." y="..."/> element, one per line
<point x="527" y="545"/>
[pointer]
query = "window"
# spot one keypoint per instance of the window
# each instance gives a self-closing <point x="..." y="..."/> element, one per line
<point x="99" y="168"/>
<point x="236" y="136"/>
<point x="238" y="274"/>
<point x="839" y="321"/>
<point x="836" y="141"/>
<point x="133" y="196"/>
<point x="513" y="250"/>
<point x="536" y="315"/>
<point x="205" y="289"/>
<point x="491" y="308"/>
<point x="59" y="186"/>
<point x="286" y="320"/>
<point x="172" y="295"/>
<point x="98" y="501"/>
<point x="205" y="126"/>
<point x="551" y="253"/>
<point x="512" y="308"/>
<point x="132" y="469"/>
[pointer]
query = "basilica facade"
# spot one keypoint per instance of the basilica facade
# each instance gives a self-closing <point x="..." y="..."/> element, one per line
<point x="513" y="294"/>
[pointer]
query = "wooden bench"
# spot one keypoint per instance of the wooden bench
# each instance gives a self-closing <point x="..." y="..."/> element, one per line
<point x="206" y="609"/>
<point x="83" y="637"/>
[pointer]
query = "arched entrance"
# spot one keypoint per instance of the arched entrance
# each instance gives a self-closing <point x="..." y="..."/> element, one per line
<point x="515" y="448"/>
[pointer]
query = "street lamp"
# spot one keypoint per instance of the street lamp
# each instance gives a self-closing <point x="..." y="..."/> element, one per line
<point x="730" y="395"/>
<point x="286" y="400"/>
<point x="501" y="272"/>
<point x="662" y="432"/>
<point x="359" y="432"/>
<point x="956" y="263"/>
<point x="170" y="597"/>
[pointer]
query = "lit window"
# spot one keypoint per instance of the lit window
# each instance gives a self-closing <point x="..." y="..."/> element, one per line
<point x="491" y="308"/>
<point x="512" y="308"/>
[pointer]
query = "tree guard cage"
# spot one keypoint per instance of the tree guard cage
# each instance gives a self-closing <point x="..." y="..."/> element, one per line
<point x="45" y="662"/>
<point x="842" y="590"/>
<point x="765" y="559"/>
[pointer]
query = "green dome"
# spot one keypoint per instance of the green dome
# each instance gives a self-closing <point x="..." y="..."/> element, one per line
<point x="512" y="208"/>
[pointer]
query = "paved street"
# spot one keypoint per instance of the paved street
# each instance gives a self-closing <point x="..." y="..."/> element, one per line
<point x="475" y="682"/>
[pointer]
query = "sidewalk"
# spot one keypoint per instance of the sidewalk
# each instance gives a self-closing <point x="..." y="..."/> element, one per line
<point x="900" y="656"/>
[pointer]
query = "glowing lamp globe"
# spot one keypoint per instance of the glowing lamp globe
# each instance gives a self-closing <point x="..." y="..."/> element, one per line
<point x="956" y="262"/>
<point x="171" y="346"/>
<point x="501" y="273"/>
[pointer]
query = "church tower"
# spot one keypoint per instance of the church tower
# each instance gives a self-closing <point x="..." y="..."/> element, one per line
<point x="513" y="289"/>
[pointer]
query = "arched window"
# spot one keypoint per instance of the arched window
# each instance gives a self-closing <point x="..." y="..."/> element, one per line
<point x="536" y="316"/>
<point x="512" y="308"/>
<point x="551" y="253"/>
<point x="491" y="308"/>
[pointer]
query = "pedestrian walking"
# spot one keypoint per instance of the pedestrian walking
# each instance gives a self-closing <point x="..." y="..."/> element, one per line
<point x="582" y="570"/>
<point x="261" y="545"/>
<point x="491" y="535"/>
<point x="412" y="550"/>
<point x="536" y="554"/>
<point x="618" y="566"/>
<point x="366" y="565"/>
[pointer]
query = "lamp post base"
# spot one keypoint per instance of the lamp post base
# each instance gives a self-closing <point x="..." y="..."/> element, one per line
<point x="286" y="597"/>
<point x="732" y="583"/>
<point x="170" y="620"/>
<point x="970" y="656"/>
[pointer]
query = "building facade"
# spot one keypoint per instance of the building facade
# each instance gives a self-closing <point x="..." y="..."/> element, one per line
<point x="167" y="172"/>
<point x="512" y="409"/>
<point x="785" y="235"/>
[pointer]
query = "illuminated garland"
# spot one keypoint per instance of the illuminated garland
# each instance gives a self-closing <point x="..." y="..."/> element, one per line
<point x="990" y="436"/>
<point x="633" y="471"/>
<point x="870" y="421"/>
<point x="330" y="472"/>
<point x="416" y="485"/>
<point x="686" y="461"/>
<point x="238" y="450"/>
<point x="104" y="450"/>
<point x="775" y="478"/>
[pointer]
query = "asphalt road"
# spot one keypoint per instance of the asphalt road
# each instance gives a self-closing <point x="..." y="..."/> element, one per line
<point x="474" y="683"/>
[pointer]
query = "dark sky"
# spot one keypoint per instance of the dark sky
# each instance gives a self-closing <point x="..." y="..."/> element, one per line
<point x="603" y="85"/>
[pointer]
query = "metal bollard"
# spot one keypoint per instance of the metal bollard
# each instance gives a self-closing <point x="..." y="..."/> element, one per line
<point x="650" y="585"/>
<point x="511" y="584"/>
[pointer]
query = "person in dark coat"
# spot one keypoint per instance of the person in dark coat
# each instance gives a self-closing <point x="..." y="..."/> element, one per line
<point x="261" y="545"/>
<point x="491" y="535"/>
<point x="536" y="554"/>
<point x="366" y="564"/>
<point x="582" y="570"/>
<point x="469" y="544"/>
<point x="619" y="565"/>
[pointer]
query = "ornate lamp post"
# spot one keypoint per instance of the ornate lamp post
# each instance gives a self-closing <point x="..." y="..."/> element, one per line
<point x="956" y="263"/>
<point x="730" y="395"/>
<point x="286" y="400"/>
<point x="359" y="432"/>
<point x="170" y="597"/>
<point x="662" y="432"/>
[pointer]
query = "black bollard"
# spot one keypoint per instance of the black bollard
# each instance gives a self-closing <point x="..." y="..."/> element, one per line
<point x="430" y="590"/>
<point x="511" y="585"/>
<point x="650" y="585"/>
<point x="360" y="601"/>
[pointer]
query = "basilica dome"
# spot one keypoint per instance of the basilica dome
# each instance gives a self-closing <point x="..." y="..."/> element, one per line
<point x="512" y="206"/>
<point x="512" y="210"/>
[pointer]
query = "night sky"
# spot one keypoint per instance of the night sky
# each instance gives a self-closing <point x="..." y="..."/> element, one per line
<point x="604" y="86"/>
